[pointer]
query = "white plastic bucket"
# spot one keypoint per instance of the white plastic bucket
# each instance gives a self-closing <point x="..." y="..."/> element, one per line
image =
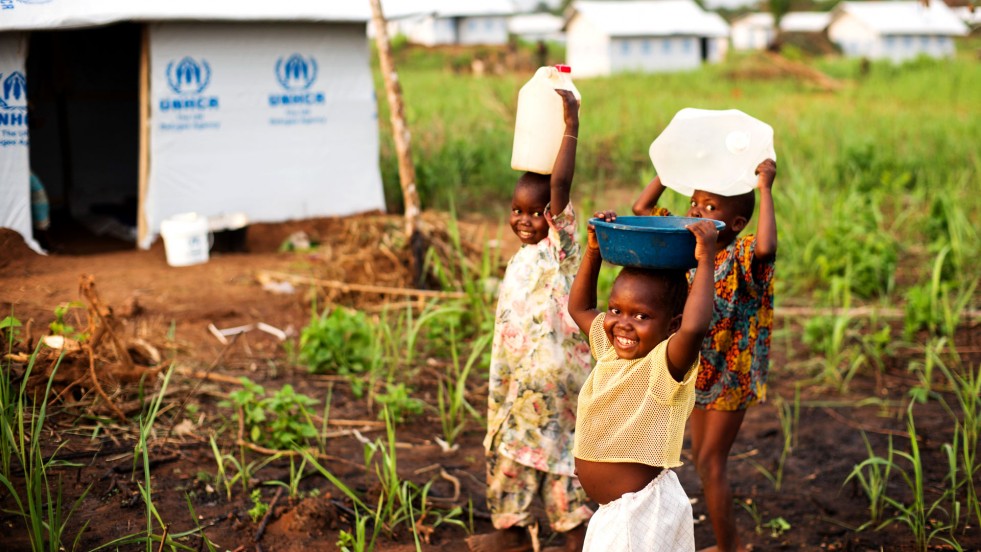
<point x="540" y="120"/>
<point x="185" y="239"/>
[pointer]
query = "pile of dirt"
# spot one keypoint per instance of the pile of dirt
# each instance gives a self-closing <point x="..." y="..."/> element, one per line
<point x="13" y="249"/>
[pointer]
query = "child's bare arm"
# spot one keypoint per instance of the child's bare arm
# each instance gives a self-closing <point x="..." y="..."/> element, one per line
<point x="648" y="198"/>
<point x="565" y="162"/>
<point x="582" y="296"/>
<point x="766" y="226"/>
<point x="684" y="346"/>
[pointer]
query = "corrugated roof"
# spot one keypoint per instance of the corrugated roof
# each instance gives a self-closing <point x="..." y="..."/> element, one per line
<point x="805" y="22"/>
<point x="87" y="13"/>
<point x="904" y="17"/>
<point x="652" y="18"/>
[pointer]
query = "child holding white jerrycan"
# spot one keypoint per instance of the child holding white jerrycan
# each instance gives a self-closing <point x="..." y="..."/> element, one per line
<point x="538" y="363"/>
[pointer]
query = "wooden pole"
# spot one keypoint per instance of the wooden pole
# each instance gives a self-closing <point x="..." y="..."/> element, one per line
<point x="143" y="165"/>
<point x="403" y="141"/>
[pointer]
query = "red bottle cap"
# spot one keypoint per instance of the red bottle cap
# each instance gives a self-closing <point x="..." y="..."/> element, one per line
<point x="564" y="68"/>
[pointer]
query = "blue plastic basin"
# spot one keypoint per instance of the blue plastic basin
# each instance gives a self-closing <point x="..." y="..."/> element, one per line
<point x="648" y="242"/>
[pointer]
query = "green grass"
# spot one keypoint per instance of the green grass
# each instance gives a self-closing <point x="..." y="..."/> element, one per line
<point x="871" y="178"/>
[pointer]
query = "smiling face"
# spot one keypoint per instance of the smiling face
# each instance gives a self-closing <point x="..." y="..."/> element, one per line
<point x="531" y="196"/>
<point x="644" y="308"/>
<point x="735" y="211"/>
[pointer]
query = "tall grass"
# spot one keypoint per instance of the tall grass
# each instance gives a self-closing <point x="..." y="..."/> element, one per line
<point x="862" y="166"/>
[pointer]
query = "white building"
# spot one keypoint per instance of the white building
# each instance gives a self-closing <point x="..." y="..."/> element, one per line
<point x="533" y="27"/>
<point x="645" y="36"/>
<point x="969" y="16"/>
<point x="753" y="31"/>
<point x="897" y="31"/>
<point x="162" y="107"/>
<point x="805" y="22"/>
<point x="437" y="22"/>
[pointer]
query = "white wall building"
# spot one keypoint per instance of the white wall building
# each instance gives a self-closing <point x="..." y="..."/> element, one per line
<point x="533" y="27"/>
<point x="897" y="31"/>
<point x="163" y="107"/>
<point x="753" y="31"/>
<point x="805" y="22"/>
<point x="437" y="22"/>
<point x="644" y="36"/>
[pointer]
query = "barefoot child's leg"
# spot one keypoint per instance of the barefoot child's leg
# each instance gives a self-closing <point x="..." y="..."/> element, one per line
<point x="713" y="432"/>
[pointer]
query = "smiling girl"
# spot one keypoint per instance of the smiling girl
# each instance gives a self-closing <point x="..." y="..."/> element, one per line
<point x="634" y="405"/>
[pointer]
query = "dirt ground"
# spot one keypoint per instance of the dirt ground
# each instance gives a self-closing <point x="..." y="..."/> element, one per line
<point x="172" y="308"/>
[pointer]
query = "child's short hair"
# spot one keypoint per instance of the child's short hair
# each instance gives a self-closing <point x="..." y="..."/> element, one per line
<point x="673" y="285"/>
<point x="540" y="183"/>
<point x="744" y="204"/>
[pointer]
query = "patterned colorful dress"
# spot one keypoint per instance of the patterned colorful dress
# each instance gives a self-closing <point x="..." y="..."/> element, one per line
<point x="736" y="350"/>
<point x="539" y="358"/>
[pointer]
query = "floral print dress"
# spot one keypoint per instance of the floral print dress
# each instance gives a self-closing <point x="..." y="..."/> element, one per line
<point x="539" y="358"/>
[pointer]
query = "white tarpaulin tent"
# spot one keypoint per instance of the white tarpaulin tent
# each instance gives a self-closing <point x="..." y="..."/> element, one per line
<point x="265" y="109"/>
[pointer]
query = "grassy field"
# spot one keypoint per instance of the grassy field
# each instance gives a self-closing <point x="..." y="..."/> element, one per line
<point x="883" y="170"/>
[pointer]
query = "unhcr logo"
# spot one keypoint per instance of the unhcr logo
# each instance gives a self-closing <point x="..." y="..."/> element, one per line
<point x="296" y="74"/>
<point x="13" y="99"/>
<point x="188" y="78"/>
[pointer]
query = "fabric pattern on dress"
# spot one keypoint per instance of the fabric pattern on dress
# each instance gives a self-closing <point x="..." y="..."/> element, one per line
<point x="539" y="358"/>
<point x="736" y="350"/>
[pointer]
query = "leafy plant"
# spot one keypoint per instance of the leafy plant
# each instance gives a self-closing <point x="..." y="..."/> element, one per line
<point x="338" y="341"/>
<point x="937" y="306"/>
<point x="398" y="403"/>
<point x="278" y="421"/>
<point x="259" y="508"/>
<point x="60" y="327"/>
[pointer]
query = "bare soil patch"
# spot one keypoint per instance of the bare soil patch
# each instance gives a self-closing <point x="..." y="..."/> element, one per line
<point x="171" y="308"/>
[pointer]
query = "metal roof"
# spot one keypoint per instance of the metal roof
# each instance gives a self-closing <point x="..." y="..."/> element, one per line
<point x="651" y="18"/>
<point x="53" y="14"/>
<point x="805" y="22"/>
<point x="887" y="18"/>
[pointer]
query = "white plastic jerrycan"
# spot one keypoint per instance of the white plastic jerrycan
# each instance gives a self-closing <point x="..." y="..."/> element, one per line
<point x="540" y="123"/>
<point x="712" y="150"/>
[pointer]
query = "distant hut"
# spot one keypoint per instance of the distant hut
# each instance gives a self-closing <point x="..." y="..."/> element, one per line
<point x="534" y="27"/>
<point x="644" y="36"/>
<point x="753" y="31"/>
<point x="897" y="31"/>
<point x="443" y="22"/>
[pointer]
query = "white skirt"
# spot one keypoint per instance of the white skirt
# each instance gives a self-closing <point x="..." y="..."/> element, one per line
<point x="656" y="518"/>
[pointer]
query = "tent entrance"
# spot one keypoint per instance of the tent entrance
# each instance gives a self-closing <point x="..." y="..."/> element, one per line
<point x="83" y="92"/>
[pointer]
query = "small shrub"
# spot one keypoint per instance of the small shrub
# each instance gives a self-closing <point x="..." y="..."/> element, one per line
<point x="280" y="421"/>
<point x="341" y="342"/>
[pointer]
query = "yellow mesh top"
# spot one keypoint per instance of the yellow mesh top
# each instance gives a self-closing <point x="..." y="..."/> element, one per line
<point x="632" y="410"/>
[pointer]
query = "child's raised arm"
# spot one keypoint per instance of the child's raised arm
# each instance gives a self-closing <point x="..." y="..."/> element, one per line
<point x="766" y="226"/>
<point x="695" y="319"/>
<point x="582" y="296"/>
<point x="565" y="162"/>
<point x="648" y="198"/>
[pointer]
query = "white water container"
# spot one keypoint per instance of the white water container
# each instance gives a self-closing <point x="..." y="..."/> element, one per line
<point x="185" y="239"/>
<point x="712" y="150"/>
<point x="540" y="122"/>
